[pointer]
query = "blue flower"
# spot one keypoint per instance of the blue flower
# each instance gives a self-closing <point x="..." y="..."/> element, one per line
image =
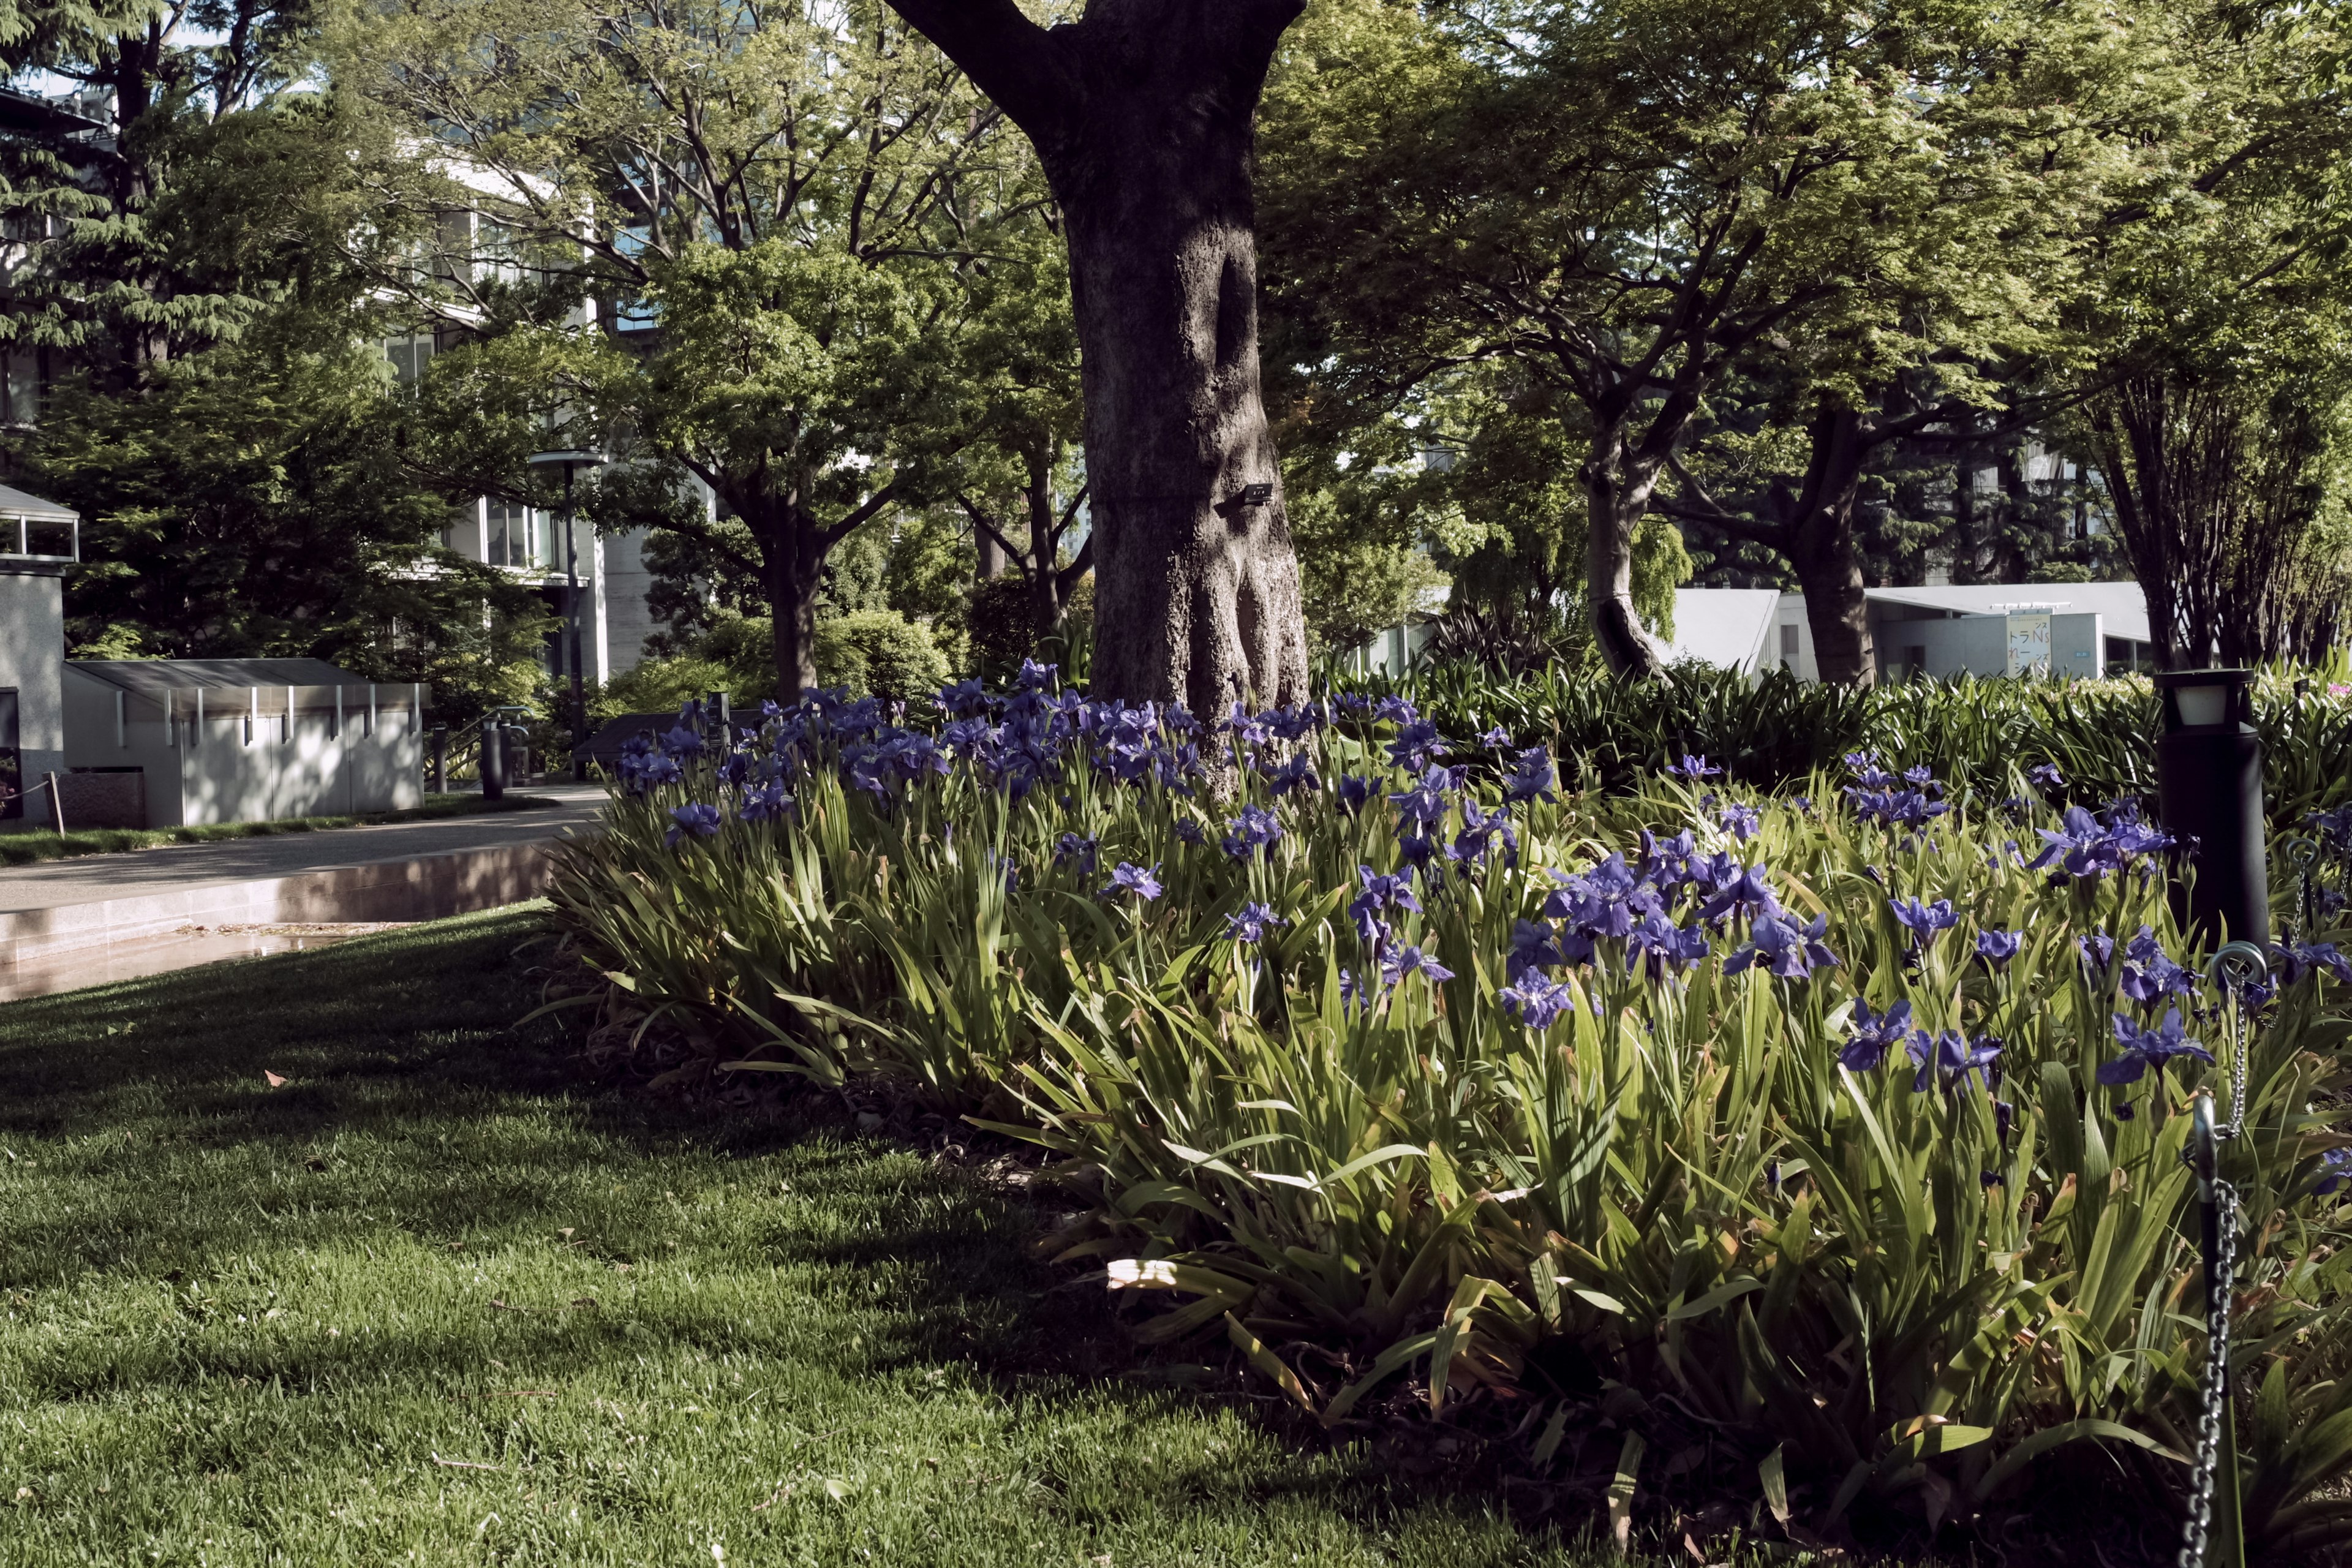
<point x="1535" y="1001"/>
<point x="1479" y="831"/>
<point x="964" y="697"/>
<point x="1924" y="921"/>
<point x="1868" y="772"/>
<point x="2305" y="958"/>
<point x="1998" y="947"/>
<point x="1693" y="768"/>
<point x="1250" y="729"/>
<point x="2044" y="776"/>
<point x="1076" y="849"/>
<point x="1497" y="739"/>
<point x="1657" y="942"/>
<point x="1252" y="924"/>
<point x="2148" y="976"/>
<point x="1410" y="960"/>
<point x="1396" y="709"/>
<point x="1740" y="821"/>
<point x="1353" y="792"/>
<point x="769" y="803"/>
<point x="2145" y="1049"/>
<point x="1416" y="746"/>
<point x="1381" y="892"/>
<point x="1532" y="776"/>
<point x="1426" y="801"/>
<point x="1190" y="831"/>
<point x="1128" y="878"/>
<point x="1783" y="947"/>
<point x="1533" y="947"/>
<point x="1255" y="826"/>
<point x="697" y="819"/>
<point x="1296" y="774"/>
<point x="1952" y="1059"/>
<point x="2335" y="1171"/>
<point x="1875" y="1034"/>
<point x="1743" y="891"/>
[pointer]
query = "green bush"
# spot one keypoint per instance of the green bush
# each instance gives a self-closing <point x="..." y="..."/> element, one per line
<point x="1668" y="1178"/>
<point x="879" y="653"/>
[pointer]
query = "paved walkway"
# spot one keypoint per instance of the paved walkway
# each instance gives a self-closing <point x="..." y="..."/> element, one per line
<point x="89" y="879"/>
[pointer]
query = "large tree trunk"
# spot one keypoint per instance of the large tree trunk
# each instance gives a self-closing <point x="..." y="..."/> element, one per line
<point x="1143" y="114"/>
<point x="1825" y="549"/>
<point x="792" y="562"/>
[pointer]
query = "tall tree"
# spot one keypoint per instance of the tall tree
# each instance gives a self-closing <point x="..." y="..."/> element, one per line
<point x="736" y="241"/>
<point x="1144" y="114"/>
<point x="1640" y="200"/>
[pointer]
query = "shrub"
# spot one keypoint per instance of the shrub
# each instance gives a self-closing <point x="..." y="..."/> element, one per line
<point x="1867" y="1164"/>
<point x="879" y="653"/>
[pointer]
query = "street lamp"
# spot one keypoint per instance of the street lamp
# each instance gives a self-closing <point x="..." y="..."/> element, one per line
<point x="571" y="462"/>
<point x="2208" y="791"/>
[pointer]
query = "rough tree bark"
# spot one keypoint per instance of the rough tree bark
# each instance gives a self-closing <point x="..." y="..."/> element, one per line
<point x="1144" y="114"/>
<point x="793" y="545"/>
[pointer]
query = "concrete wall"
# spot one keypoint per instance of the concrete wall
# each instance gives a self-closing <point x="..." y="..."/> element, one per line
<point x="1978" y="645"/>
<point x="32" y="653"/>
<point x="259" y="754"/>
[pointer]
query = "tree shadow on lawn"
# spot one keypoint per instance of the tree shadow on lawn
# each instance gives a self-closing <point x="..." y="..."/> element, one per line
<point x="430" y="1167"/>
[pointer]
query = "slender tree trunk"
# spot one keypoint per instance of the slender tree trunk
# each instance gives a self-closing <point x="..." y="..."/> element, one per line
<point x="1144" y="114"/>
<point x="1825" y="549"/>
<point x="992" y="559"/>
<point x="1617" y="487"/>
<point x="792" y="561"/>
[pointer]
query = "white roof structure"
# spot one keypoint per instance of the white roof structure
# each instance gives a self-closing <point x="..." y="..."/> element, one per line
<point x="1724" y="627"/>
<point x="2122" y="604"/>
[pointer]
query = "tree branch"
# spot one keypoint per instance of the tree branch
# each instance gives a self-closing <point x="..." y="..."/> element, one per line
<point x="1018" y="64"/>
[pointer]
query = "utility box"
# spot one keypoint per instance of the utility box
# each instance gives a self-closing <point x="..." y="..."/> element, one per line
<point x="39" y="540"/>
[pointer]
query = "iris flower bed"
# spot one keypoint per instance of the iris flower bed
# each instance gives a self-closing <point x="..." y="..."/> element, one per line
<point x="1842" y="1128"/>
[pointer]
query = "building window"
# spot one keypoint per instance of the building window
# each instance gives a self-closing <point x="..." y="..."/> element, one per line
<point x="409" y="356"/>
<point x="516" y="537"/>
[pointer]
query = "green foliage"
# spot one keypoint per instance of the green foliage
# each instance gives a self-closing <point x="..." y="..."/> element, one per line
<point x="672" y="1279"/>
<point x="880" y="653"/>
<point x="1912" y="1296"/>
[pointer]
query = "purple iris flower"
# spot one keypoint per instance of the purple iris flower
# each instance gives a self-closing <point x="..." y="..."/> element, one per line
<point x="1416" y="746"/>
<point x="1496" y="739"/>
<point x="2148" y="976"/>
<point x="693" y="819"/>
<point x="1533" y="946"/>
<point x="1952" y="1059"/>
<point x="2044" y="776"/>
<point x="1875" y="1034"/>
<point x="1868" y="772"/>
<point x="1398" y="709"/>
<point x="1924" y="921"/>
<point x="1252" y="924"/>
<point x="1250" y="729"/>
<point x="768" y="803"/>
<point x="2146" y="1048"/>
<point x="1788" y="949"/>
<point x="1532" y="776"/>
<point x="1298" y="773"/>
<point x="965" y="697"/>
<point x="1741" y="821"/>
<point x="1426" y="801"/>
<point x="1076" y="849"/>
<point x="1190" y="831"/>
<point x="1352" y="793"/>
<point x="2097" y="952"/>
<point x="1479" y="832"/>
<point x="1658" y="943"/>
<point x="1535" y="1001"/>
<point x="2293" y="963"/>
<point x="1381" y="892"/>
<point x="1745" y="893"/>
<point x="1693" y="768"/>
<point x="2335" y="1171"/>
<point x="1255" y="826"/>
<point x="1412" y="960"/>
<point x="1998" y="947"/>
<point x="1128" y="878"/>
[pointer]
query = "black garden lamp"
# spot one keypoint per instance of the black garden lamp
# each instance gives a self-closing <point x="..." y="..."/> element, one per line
<point x="571" y="462"/>
<point x="2209" y="791"/>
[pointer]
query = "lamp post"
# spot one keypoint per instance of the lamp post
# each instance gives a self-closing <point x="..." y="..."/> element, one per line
<point x="2208" y="791"/>
<point x="571" y="462"/>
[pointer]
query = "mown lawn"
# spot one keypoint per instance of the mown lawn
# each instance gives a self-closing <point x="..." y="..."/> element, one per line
<point x="433" y="1301"/>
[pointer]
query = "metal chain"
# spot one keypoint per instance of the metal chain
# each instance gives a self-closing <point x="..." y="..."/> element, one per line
<point x="2202" y="1478"/>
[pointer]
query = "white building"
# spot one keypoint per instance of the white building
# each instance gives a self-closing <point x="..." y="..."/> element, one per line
<point x="2086" y="629"/>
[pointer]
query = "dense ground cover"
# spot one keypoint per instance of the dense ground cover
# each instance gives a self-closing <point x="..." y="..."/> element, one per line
<point x="1825" y="1145"/>
<point x="30" y="848"/>
<point x="1973" y="734"/>
<point x="429" y="1299"/>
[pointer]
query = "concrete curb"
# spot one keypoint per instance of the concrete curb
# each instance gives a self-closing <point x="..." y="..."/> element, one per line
<point x="414" y="890"/>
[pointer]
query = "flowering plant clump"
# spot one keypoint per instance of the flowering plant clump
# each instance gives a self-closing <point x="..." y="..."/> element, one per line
<point x="1855" y="1128"/>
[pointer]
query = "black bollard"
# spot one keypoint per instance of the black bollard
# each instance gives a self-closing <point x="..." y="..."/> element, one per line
<point x="440" y="759"/>
<point x="2208" y="790"/>
<point x="494" y="759"/>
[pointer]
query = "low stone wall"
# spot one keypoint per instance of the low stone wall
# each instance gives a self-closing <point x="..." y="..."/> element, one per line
<point x="103" y="797"/>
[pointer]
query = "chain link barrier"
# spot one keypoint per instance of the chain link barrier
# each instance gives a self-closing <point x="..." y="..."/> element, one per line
<point x="2236" y="966"/>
